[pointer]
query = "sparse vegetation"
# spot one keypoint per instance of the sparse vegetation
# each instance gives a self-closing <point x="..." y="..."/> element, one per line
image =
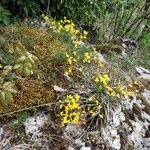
<point x="76" y="62"/>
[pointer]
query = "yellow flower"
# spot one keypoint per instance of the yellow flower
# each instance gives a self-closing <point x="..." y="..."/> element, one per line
<point x="85" y="32"/>
<point x="69" y="60"/>
<point x="122" y="90"/>
<point x="70" y="70"/>
<point x="76" y="32"/>
<point x="74" y="53"/>
<point x="65" y="18"/>
<point x="66" y="73"/>
<point x="76" y="119"/>
<point x="137" y="91"/>
<point x="87" y="58"/>
<point x="1" y="66"/>
<point x="107" y="79"/>
<point x="94" y="50"/>
<point x="46" y="18"/>
<point x="92" y="113"/>
<point x="73" y="38"/>
<point x="67" y="55"/>
<point x="91" y="98"/>
<point x="72" y="110"/>
<point x="101" y="65"/>
<point x="79" y="43"/>
<point x="130" y="94"/>
<point x="95" y="58"/>
<point x="97" y="79"/>
<point x="135" y="82"/>
<point x="130" y="85"/>
<point x="104" y="79"/>
<point x="113" y="94"/>
<point x="77" y="97"/>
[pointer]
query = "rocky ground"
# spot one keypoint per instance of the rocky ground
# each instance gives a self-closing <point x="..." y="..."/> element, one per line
<point x="127" y="128"/>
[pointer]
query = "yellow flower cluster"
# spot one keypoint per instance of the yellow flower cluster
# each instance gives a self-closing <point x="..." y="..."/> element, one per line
<point x="77" y="37"/>
<point x="118" y="92"/>
<point x="124" y="92"/>
<point x="73" y="61"/>
<point x="94" y="107"/>
<point x="70" y="110"/>
<point x="87" y="58"/>
<point x="104" y="79"/>
<point x="134" y="86"/>
<point x="68" y="71"/>
<point x="70" y="60"/>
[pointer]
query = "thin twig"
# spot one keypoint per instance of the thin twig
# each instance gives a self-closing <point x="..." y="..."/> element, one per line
<point x="25" y="109"/>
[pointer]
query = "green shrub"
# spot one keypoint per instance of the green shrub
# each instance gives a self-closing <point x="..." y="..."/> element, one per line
<point x="4" y="15"/>
<point x="127" y="19"/>
<point x="20" y="9"/>
<point x="76" y="10"/>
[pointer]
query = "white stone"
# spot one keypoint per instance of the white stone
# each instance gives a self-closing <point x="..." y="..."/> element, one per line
<point x="136" y="138"/>
<point x="116" y="144"/>
<point x="85" y="148"/>
<point x="100" y="58"/>
<point x="144" y="73"/>
<point x="113" y="133"/>
<point x="34" y="124"/>
<point x="1" y="133"/>
<point x="146" y="94"/>
<point x="70" y="148"/>
<point x="58" y="89"/>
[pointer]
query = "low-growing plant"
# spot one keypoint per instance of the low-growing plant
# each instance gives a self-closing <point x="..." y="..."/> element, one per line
<point x="70" y="110"/>
<point x="67" y="28"/>
<point x="6" y="92"/>
<point x="18" y="124"/>
<point x="86" y="72"/>
<point x="25" y="63"/>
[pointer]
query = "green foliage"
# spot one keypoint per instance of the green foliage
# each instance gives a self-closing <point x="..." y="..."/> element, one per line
<point x="58" y="58"/>
<point x="18" y="9"/>
<point x="76" y="10"/>
<point x="4" y="15"/>
<point x="27" y="7"/>
<point x="145" y="42"/>
<point x="122" y="19"/>
<point x="21" y="118"/>
<point x="26" y="62"/>
<point x="6" y="92"/>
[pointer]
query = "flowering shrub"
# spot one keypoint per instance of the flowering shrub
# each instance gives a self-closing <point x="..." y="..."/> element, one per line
<point x="117" y="91"/>
<point x="67" y="26"/>
<point x="94" y="107"/>
<point x="75" y="65"/>
<point x="87" y="73"/>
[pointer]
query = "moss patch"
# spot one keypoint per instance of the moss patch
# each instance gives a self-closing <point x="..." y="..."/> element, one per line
<point x="36" y="89"/>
